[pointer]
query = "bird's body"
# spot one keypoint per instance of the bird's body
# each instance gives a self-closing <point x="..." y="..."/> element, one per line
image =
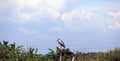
<point x="61" y="43"/>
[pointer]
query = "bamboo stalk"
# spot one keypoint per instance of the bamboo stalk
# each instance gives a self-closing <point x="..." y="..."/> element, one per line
<point x="73" y="58"/>
<point x="60" y="56"/>
<point x="61" y="53"/>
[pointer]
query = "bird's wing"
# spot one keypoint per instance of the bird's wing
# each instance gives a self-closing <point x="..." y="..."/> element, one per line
<point x="62" y="42"/>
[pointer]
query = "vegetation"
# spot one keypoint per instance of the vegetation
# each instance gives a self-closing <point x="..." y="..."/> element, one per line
<point x="11" y="52"/>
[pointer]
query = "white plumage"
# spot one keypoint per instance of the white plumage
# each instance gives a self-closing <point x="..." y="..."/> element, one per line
<point x="61" y="43"/>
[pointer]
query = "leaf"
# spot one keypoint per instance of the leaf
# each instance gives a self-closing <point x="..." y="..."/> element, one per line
<point x="50" y="49"/>
<point x="19" y="47"/>
<point x="36" y="51"/>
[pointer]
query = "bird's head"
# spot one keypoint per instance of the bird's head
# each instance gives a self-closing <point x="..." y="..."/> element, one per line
<point x="58" y="39"/>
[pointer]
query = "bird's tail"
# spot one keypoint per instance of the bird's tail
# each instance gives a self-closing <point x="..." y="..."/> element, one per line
<point x="64" y="46"/>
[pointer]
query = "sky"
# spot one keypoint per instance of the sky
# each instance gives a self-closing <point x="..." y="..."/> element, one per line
<point x="83" y="25"/>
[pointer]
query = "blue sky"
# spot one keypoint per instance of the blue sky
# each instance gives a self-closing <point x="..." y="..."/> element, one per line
<point x="84" y="25"/>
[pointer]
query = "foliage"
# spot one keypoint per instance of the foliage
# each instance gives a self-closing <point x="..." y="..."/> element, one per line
<point x="11" y="52"/>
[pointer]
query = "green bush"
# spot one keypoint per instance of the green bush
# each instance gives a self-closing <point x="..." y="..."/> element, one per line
<point x="11" y="52"/>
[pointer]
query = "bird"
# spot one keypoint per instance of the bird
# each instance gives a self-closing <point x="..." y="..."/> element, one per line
<point x="61" y="43"/>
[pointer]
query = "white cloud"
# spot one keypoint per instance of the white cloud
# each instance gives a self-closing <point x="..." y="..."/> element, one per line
<point x="28" y="31"/>
<point x="77" y="14"/>
<point x="35" y="35"/>
<point x="114" y="26"/>
<point x="114" y="14"/>
<point x="114" y="22"/>
<point x="30" y="9"/>
<point x="24" y="17"/>
<point x="55" y="29"/>
<point x="3" y="4"/>
<point x="87" y="16"/>
<point x="77" y="18"/>
<point x="82" y="19"/>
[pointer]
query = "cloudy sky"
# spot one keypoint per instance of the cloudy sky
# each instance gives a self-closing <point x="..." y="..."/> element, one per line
<point x="85" y="25"/>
